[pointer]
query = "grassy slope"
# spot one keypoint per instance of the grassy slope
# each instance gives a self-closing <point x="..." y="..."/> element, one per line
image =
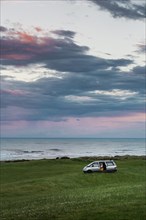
<point x="57" y="189"/>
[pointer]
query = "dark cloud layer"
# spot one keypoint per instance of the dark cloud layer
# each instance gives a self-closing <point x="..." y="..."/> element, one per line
<point x="64" y="33"/>
<point x="3" y="29"/>
<point x="55" y="53"/>
<point x="123" y="8"/>
<point x="84" y="85"/>
<point x="73" y="95"/>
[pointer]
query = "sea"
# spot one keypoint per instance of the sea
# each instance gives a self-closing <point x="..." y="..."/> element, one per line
<point x="51" y="148"/>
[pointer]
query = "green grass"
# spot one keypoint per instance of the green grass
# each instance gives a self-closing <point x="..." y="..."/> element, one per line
<point x="58" y="189"/>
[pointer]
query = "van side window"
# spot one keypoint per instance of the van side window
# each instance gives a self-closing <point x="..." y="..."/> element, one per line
<point x="95" y="164"/>
<point x="110" y="163"/>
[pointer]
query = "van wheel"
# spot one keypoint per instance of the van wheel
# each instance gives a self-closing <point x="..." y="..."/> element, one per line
<point x="89" y="171"/>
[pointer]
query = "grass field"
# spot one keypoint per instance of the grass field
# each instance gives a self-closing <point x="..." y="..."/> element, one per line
<point x="58" y="189"/>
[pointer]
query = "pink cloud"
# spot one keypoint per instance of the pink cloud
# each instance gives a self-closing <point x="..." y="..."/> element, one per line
<point x="98" y="126"/>
<point x="25" y="37"/>
<point x="125" y="126"/>
<point x="14" y="92"/>
<point x="23" y="46"/>
<point x="16" y="56"/>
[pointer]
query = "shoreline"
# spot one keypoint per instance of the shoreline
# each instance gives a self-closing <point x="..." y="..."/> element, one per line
<point x="93" y="158"/>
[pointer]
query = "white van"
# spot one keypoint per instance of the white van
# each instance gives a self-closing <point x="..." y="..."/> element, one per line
<point x="101" y="166"/>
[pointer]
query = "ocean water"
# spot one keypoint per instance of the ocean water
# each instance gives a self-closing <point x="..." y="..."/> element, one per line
<point x="18" y="149"/>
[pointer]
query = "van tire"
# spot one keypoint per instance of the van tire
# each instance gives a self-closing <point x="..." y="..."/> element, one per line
<point x="89" y="171"/>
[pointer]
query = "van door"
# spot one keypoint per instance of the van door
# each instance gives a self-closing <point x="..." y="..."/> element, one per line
<point x="95" y="167"/>
<point x="102" y="166"/>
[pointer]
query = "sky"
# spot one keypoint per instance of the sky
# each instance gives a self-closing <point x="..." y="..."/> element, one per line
<point x="73" y="68"/>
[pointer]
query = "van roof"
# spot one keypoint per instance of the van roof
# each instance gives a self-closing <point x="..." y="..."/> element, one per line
<point x="103" y="161"/>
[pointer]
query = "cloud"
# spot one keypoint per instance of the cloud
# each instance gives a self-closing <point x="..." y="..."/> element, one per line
<point x="38" y="29"/>
<point x="123" y="8"/>
<point x="141" y="48"/>
<point x="60" y="54"/>
<point x="139" y="70"/>
<point x="74" y="96"/>
<point x="3" y="29"/>
<point x="77" y="85"/>
<point x="78" y="127"/>
<point x="64" y="33"/>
